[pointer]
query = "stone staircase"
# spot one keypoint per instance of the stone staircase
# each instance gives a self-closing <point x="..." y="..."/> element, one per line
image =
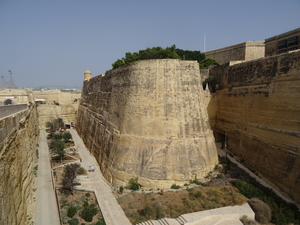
<point x="221" y="216"/>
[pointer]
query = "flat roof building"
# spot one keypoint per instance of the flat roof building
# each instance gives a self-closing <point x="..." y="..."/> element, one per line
<point x="248" y="50"/>
<point x="282" y="43"/>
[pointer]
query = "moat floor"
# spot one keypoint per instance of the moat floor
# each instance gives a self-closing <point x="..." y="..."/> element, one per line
<point x="46" y="207"/>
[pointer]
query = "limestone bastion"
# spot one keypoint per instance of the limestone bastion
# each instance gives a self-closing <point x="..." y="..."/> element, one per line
<point x="148" y="120"/>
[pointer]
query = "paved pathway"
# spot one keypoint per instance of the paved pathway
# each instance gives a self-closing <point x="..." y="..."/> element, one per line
<point x="46" y="206"/>
<point x="111" y="210"/>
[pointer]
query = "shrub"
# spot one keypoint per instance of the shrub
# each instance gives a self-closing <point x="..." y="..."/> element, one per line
<point x="87" y="195"/>
<point x="174" y="186"/>
<point x="121" y="189"/>
<point x="196" y="182"/>
<point x="81" y="171"/>
<point x="71" y="211"/>
<point x="198" y="194"/>
<point x="262" y="211"/>
<point x="246" y="221"/>
<point x="88" y="212"/>
<point x="134" y="184"/>
<point x="73" y="221"/>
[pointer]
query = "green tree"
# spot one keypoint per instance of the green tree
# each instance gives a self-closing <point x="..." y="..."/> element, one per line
<point x="57" y="147"/>
<point x="149" y="53"/>
<point x="205" y="63"/>
<point x="190" y="55"/>
<point x="70" y="173"/>
<point x="67" y="136"/>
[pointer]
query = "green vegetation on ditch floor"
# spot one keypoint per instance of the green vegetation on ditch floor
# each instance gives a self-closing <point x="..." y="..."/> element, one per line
<point x="282" y="212"/>
<point x="79" y="208"/>
<point x="139" y="207"/>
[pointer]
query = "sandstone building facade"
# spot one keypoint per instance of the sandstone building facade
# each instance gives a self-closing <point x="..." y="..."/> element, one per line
<point x="240" y="52"/>
<point x="148" y="119"/>
<point x="282" y="43"/>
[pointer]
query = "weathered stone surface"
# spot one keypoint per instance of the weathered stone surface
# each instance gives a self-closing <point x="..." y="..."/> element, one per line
<point x="259" y="107"/>
<point x="18" y="139"/>
<point x="148" y="119"/>
<point x="67" y="108"/>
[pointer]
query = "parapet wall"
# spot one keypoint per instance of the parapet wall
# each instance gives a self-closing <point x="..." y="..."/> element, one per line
<point x="18" y="138"/>
<point x="244" y="51"/>
<point x="148" y="119"/>
<point x="259" y="106"/>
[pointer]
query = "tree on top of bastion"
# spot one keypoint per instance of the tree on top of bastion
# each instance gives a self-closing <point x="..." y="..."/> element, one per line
<point x="164" y="53"/>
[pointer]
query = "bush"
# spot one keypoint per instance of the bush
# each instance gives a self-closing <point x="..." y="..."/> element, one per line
<point x="121" y="189"/>
<point x="174" y="186"/>
<point x="246" y="221"/>
<point x="262" y="211"/>
<point x="88" y="212"/>
<point x="73" y="221"/>
<point x="81" y="171"/>
<point x="72" y="210"/>
<point x="196" y="182"/>
<point x="283" y="212"/>
<point x="133" y="184"/>
<point x="101" y="222"/>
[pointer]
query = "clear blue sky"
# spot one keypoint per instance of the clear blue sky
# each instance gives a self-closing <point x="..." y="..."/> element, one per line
<point x="52" y="42"/>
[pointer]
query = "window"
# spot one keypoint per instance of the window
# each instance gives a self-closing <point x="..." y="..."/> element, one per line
<point x="292" y="41"/>
<point x="282" y="44"/>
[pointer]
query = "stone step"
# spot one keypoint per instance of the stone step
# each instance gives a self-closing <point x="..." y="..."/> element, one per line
<point x="147" y="222"/>
<point x="162" y="221"/>
<point x="181" y="220"/>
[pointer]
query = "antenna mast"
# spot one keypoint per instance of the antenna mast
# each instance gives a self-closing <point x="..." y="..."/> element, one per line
<point x="204" y="41"/>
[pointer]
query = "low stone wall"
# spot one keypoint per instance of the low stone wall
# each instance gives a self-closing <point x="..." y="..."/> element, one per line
<point x="8" y="110"/>
<point x="18" y="140"/>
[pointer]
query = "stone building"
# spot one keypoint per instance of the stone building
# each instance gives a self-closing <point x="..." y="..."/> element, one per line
<point x="245" y="51"/>
<point x="284" y="42"/>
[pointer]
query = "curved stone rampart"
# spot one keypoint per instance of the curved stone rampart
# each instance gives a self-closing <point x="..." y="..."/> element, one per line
<point x="148" y="119"/>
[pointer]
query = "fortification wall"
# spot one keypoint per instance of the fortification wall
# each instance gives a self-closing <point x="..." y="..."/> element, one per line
<point x="49" y="112"/>
<point x="66" y="109"/>
<point x="148" y="119"/>
<point x="244" y="51"/>
<point x="18" y="138"/>
<point x="15" y="96"/>
<point x="259" y="106"/>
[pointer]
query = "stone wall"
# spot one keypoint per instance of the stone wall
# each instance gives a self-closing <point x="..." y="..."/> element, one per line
<point x="15" y="96"/>
<point x="18" y="138"/>
<point x="148" y="119"/>
<point x="66" y="109"/>
<point x="259" y="107"/>
<point x="50" y="112"/>
<point x="244" y="51"/>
